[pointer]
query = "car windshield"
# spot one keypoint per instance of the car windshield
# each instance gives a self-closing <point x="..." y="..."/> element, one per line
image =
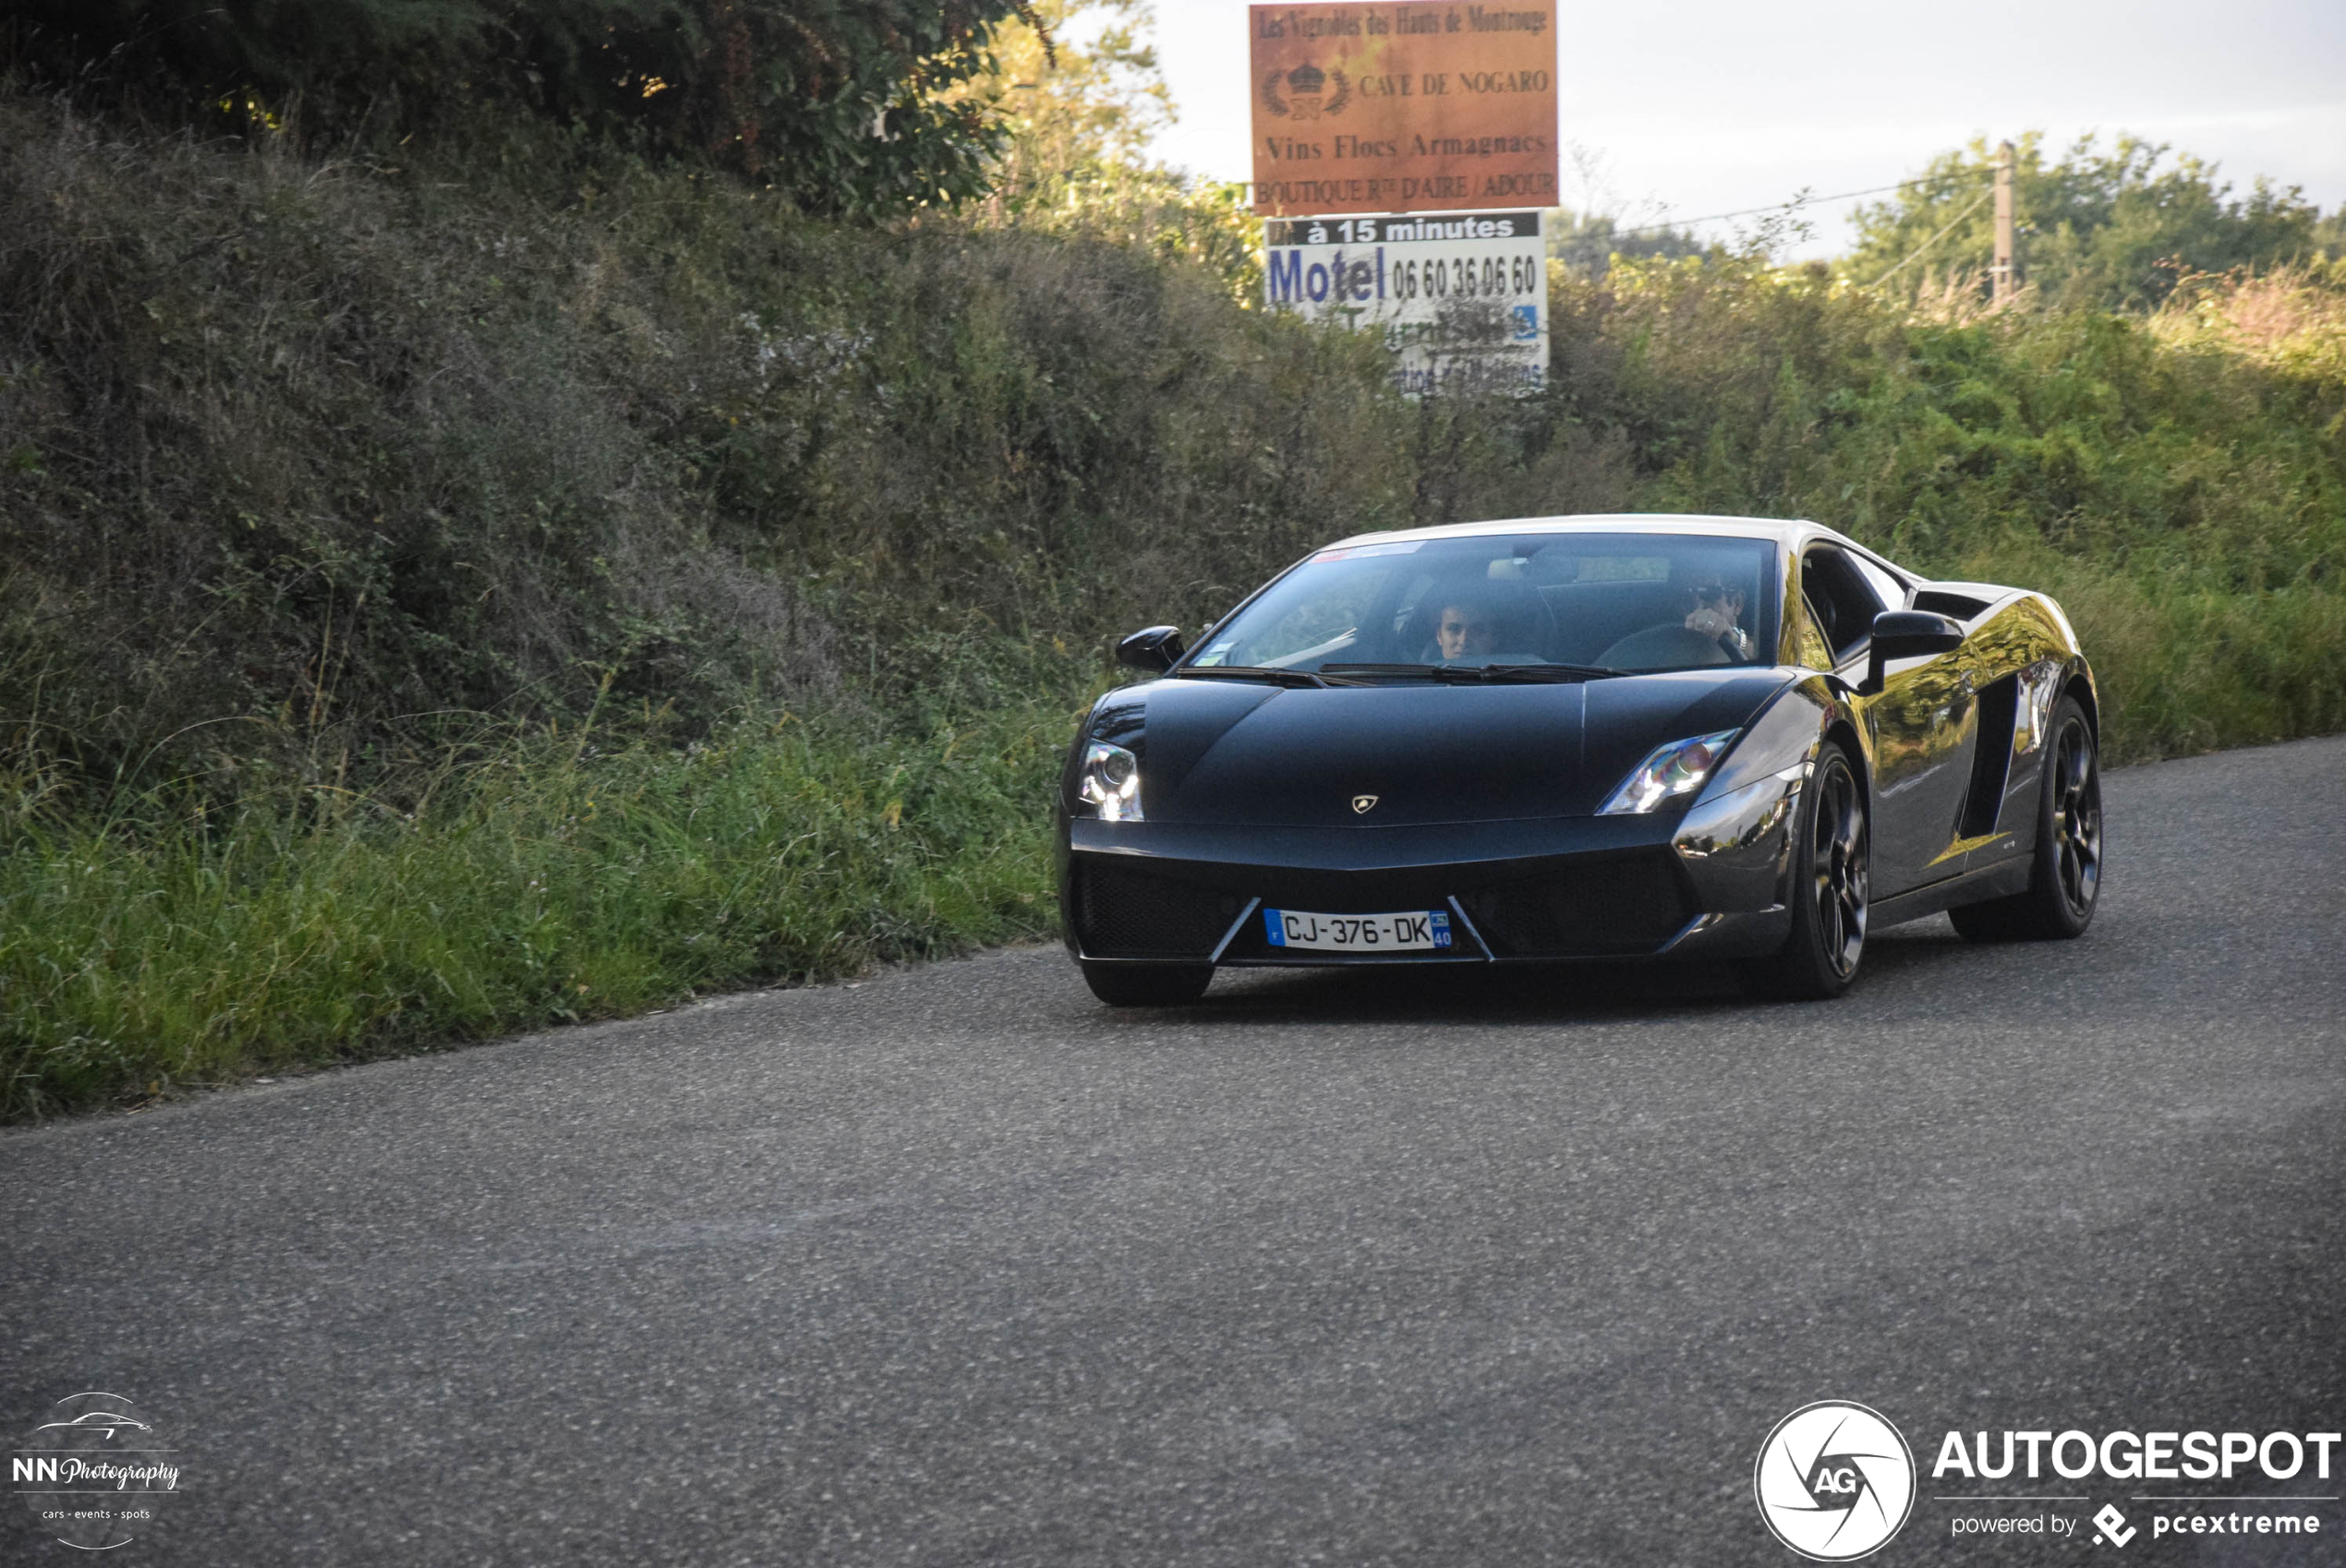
<point x="1510" y="606"/>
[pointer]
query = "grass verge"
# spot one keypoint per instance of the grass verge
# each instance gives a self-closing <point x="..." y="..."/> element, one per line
<point x="165" y="946"/>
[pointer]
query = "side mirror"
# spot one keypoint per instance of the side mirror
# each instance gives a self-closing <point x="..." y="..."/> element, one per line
<point x="1157" y="649"/>
<point x="1907" y="634"/>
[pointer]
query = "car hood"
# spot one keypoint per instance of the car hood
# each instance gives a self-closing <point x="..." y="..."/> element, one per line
<point x="1230" y="751"/>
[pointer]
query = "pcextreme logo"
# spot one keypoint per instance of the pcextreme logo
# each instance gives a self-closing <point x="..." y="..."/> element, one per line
<point x="1835" y="1481"/>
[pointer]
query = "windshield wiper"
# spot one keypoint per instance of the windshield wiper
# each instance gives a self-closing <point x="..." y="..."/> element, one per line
<point x="1467" y="674"/>
<point x="1338" y="673"/>
<point x="1549" y="672"/>
<point x="1250" y="672"/>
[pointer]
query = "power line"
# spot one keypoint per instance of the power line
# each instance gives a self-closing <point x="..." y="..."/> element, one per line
<point x="1796" y="201"/>
<point x="1977" y="202"/>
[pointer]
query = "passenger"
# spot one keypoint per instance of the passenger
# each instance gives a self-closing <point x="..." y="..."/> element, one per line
<point x="1718" y="612"/>
<point x="1467" y="628"/>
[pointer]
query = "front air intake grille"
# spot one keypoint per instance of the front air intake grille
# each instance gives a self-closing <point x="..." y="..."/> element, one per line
<point x="1126" y="914"/>
<point x="1629" y="905"/>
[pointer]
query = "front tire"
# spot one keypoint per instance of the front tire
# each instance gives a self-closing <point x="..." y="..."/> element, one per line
<point x="1148" y="985"/>
<point x="1831" y="880"/>
<point x="2065" y="882"/>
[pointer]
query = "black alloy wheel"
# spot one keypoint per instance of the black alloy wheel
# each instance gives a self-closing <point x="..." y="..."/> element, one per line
<point x="2065" y="881"/>
<point x="1148" y="985"/>
<point x="1830" y="885"/>
<point x="2076" y="821"/>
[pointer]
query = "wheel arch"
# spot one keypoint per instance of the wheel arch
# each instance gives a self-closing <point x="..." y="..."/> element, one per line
<point x="2079" y="683"/>
<point x="1842" y="730"/>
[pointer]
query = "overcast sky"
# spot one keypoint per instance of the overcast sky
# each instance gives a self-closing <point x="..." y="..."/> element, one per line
<point x="1709" y="106"/>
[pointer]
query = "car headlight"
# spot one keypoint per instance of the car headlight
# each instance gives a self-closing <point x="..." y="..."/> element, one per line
<point x="1678" y="768"/>
<point x="1110" y="783"/>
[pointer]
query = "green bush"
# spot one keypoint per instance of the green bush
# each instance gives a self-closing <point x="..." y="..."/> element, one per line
<point x="336" y="447"/>
<point x="2179" y="479"/>
<point x="2110" y="229"/>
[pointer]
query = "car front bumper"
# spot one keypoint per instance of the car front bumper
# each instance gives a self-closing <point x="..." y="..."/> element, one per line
<point x="1710" y="883"/>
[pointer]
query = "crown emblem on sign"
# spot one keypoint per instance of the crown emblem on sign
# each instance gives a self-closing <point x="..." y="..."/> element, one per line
<point x="1310" y="91"/>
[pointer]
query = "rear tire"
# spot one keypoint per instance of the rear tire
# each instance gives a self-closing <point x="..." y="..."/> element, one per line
<point x="1831" y="853"/>
<point x="2065" y="881"/>
<point x="1150" y="986"/>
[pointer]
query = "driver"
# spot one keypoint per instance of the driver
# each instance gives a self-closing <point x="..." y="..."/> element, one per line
<point x="1718" y="612"/>
<point x="1467" y="628"/>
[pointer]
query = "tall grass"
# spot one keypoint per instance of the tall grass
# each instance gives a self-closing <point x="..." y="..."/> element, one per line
<point x="171" y="942"/>
<point x="2178" y="481"/>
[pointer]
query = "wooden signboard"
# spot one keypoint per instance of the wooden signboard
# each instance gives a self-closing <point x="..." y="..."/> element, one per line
<point x="1409" y="107"/>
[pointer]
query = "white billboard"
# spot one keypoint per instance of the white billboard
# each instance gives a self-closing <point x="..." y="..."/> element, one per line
<point x="1460" y="298"/>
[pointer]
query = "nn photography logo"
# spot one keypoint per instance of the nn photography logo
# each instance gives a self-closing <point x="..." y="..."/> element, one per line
<point x="93" y="1471"/>
<point x="1835" y="1481"/>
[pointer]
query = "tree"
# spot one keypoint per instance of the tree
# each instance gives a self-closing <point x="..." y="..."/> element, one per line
<point x="1080" y="95"/>
<point x="1588" y="243"/>
<point x="2330" y="234"/>
<point x="845" y="104"/>
<point x="1073" y="111"/>
<point x="2112" y="228"/>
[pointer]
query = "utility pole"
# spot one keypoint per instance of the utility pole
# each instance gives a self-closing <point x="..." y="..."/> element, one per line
<point x="2006" y="281"/>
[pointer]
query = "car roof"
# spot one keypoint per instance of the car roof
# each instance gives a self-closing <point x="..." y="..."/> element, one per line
<point x="1784" y="531"/>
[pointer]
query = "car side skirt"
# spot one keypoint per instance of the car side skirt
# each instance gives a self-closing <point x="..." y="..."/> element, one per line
<point x="1989" y="882"/>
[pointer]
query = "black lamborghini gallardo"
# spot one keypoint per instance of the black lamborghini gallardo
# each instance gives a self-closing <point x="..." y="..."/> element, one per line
<point x="1623" y="737"/>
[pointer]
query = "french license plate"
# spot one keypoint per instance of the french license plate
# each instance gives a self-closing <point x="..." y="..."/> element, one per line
<point x="1410" y="931"/>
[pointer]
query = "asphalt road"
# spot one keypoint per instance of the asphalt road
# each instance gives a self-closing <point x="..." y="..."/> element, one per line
<point x="957" y="1267"/>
